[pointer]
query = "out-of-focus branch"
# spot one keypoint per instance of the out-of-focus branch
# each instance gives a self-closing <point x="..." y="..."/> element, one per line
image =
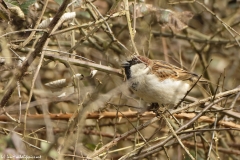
<point x="86" y="64"/>
<point x="19" y="73"/>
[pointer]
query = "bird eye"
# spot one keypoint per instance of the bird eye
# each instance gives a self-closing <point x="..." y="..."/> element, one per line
<point x="135" y="61"/>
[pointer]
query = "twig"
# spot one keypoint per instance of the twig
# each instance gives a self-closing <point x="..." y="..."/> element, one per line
<point x="176" y="136"/>
<point x="32" y="87"/>
<point x="213" y="135"/>
<point x="82" y="63"/>
<point x="127" y="114"/>
<point x="131" y="31"/>
<point x="220" y="149"/>
<point x="25" y="30"/>
<point x="203" y="101"/>
<point x="114" y="142"/>
<point x="31" y="57"/>
<point x="89" y="24"/>
<point x="235" y="100"/>
<point x="36" y="25"/>
<point x="155" y="148"/>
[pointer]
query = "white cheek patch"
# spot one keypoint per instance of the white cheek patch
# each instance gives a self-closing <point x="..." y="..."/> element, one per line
<point x="139" y="70"/>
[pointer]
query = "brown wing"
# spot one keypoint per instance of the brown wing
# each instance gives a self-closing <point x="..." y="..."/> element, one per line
<point x="165" y="70"/>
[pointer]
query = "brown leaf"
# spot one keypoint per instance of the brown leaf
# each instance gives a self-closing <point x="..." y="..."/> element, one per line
<point x="167" y="18"/>
<point x="176" y="21"/>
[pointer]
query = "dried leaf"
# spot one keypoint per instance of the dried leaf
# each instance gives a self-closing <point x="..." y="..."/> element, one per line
<point x="17" y="12"/>
<point x="167" y="18"/>
<point x="176" y="21"/>
<point x="141" y="9"/>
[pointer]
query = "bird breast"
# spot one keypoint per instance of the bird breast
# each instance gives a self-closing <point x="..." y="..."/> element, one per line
<point x="149" y="87"/>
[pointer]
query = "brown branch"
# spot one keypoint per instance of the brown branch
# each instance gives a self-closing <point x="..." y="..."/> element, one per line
<point x="86" y="64"/>
<point x="30" y="37"/>
<point x="208" y="99"/>
<point x="220" y="149"/>
<point x="93" y="115"/>
<point x="126" y="114"/>
<point x="159" y="146"/>
<point x="207" y="119"/>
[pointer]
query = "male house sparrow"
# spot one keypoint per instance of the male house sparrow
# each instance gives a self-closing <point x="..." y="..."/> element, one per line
<point x="157" y="81"/>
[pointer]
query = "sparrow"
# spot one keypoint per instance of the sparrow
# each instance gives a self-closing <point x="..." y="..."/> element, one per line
<point x="156" y="81"/>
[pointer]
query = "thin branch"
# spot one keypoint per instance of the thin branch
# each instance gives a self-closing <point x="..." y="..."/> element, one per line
<point x="178" y="139"/>
<point x="130" y="29"/>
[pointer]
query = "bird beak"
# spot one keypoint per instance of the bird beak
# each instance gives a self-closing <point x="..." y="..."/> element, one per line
<point x="125" y="64"/>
